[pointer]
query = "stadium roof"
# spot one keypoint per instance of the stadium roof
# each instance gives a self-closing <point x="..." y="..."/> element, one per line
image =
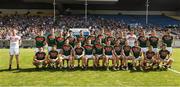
<point x="96" y="4"/>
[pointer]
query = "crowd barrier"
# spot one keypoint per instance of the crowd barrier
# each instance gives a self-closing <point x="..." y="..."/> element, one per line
<point x="30" y="44"/>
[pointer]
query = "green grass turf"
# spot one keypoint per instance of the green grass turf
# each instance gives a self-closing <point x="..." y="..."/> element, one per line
<point x="28" y="76"/>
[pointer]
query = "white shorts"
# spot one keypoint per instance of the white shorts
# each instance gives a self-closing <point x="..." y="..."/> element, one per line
<point x="155" y="50"/>
<point x="65" y="57"/>
<point x="14" y="51"/>
<point x="99" y="56"/>
<point x="78" y="56"/>
<point x="49" y="48"/>
<point x="53" y="60"/>
<point x="59" y="50"/>
<point x="143" y="49"/>
<point x="36" y="50"/>
<point x="109" y="56"/>
<point x="169" y="49"/>
<point x="89" y="56"/>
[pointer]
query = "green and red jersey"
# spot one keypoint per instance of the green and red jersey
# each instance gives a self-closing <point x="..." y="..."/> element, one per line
<point x="40" y="55"/>
<point x="53" y="54"/>
<point x="60" y="42"/>
<point x="51" y="40"/>
<point x="40" y="41"/>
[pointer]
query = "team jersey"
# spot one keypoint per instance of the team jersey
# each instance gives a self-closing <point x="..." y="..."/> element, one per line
<point x="60" y="42"/>
<point x="40" y="55"/>
<point x="67" y="49"/>
<point x="150" y="54"/>
<point x="53" y="54"/>
<point x="136" y="51"/>
<point x="51" y="40"/>
<point x="163" y="54"/>
<point x="79" y="51"/>
<point x="142" y="41"/>
<point x="14" y="41"/>
<point x="127" y="50"/>
<point x="81" y="39"/>
<point x="98" y="48"/>
<point x="108" y="50"/>
<point x="122" y="41"/>
<point x="154" y="41"/>
<point x="88" y="49"/>
<point x="102" y="37"/>
<point x="167" y="39"/>
<point x="40" y="41"/>
<point x="71" y="40"/>
<point x="118" y="49"/>
<point x="92" y="38"/>
<point x="110" y="38"/>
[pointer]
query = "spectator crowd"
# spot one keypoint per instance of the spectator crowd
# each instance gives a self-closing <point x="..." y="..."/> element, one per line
<point x="28" y="26"/>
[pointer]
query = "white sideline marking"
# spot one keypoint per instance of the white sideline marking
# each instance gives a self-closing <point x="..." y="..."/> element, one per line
<point x="175" y="71"/>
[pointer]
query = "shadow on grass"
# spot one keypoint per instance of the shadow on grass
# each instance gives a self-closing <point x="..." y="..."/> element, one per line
<point x="57" y="70"/>
<point x="73" y="70"/>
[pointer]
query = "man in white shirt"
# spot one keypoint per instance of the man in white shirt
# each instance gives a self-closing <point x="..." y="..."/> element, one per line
<point x="131" y="38"/>
<point x="15" y="42"/>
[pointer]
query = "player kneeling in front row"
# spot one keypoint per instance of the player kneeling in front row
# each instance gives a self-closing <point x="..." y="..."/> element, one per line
<point x="39" y="59"/>
<point x="79" y="53"/>
<point x="149" y="59"/>
<point x="53" y="58"/>
<point x="137" y="55"/>
<point x="164" y="58"/>
<point x="109" y="55"/>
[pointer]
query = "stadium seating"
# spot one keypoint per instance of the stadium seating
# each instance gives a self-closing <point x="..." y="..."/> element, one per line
<point x="156" y="20"/>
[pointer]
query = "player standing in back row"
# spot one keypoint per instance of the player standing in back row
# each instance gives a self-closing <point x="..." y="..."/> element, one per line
<point x="168" y="40"/>
<point x="51" y="40"/>
<point x="40" y="41"/>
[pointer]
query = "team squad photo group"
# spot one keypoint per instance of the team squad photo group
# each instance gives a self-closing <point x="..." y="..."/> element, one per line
<point x="126" y="50"/>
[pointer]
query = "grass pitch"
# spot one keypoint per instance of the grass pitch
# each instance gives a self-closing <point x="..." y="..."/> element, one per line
<point x="28" y="76"/>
